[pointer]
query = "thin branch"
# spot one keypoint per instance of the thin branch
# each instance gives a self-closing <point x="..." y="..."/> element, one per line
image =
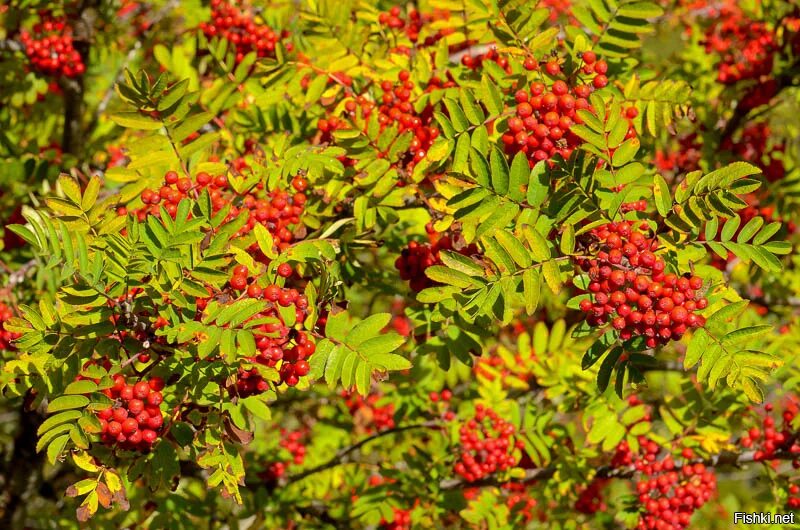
<point x="11" y="45"/>
<point x="129" y="57"/>
<point x="339" y="457"/>
<point x="785" y="80"/>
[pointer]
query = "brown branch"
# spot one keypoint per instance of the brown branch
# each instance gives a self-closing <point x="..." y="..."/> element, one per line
<point x="11" y="45"/>
<point x="339" y="458"/>
<point x="23" y="473"/>
<point x="74" y="105"/>
<point x="785" y="80"/>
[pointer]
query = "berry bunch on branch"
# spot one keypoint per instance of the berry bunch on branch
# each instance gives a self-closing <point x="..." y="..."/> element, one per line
<point x="49" y="47"/>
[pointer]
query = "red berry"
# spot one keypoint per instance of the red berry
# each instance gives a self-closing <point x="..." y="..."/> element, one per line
<point x="284" y="270"/>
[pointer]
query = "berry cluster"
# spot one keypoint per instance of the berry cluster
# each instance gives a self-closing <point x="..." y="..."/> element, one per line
<point x="239" y="27"/>
<point x="134" y="422"/>
<point x="544" y="115"/>
<point x="6" y="337"/>
<point x="395" y="108"/>
<point x="50" y="48"/>
<point x="442" y="401"/>
<point x="11" y="240"/>
<point x="630" y="289"/>
<point x="487" y="445"/>
<point x="746" y="48"/>
<point x="401" y="520"/>
<point x="278" y="342"/>
<point x="413" y="24"/>
<point x="291" y="441"/>
<point x="559" y="8"/>
<point x="793" y="501"/>
<point x="519" y="501"/>
<point x="669" y="493"/>
<point x="759" y="94"/>
<point x="753" y="147"/>
<point x="417" y="257"/>
<point x="767" y="440"/>
<point x="590" y="499"/>
<point x="683" y="158"/>
<point x="277" y="210"/>
<point x="475" y="62"/>
<point x="367" y="413"/>
<point x="635" y="206"/>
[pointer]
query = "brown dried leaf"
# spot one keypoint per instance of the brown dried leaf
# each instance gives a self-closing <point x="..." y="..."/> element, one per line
<point x="103" y="495"/>
<point x="83" y="514"/>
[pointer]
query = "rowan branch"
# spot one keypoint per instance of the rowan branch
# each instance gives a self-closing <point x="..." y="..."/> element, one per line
<point x="726" y="458"/>
<point x="339" y="458"/>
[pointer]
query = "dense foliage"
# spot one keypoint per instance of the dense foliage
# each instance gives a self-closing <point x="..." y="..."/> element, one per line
<point x="439" y="264"/>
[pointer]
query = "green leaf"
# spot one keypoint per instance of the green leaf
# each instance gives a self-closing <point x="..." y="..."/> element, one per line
<point x="135" y="120"/>
<point x="480" y="168"/>
<point x="461" y="263"/>
<point x="697" y="346"/>
<point x="447" y="276"/>
<point x="625" y="152"/>
<point x="83" y="386"/>
<point x="380" y="345"/>
<point x="607" y="367"/>
<point x="752" y="390"/>
<point x="457" y="116"/>
<point x="540" y="251"/>
<point x="67" y="403"/>
<point x="56" y="447"/>
<point x="390" y="361"/>
<point x="367" y="328"/>
<point x="499" y="169"/>
<point x="730" y="228"/>
<point x="58" y="419"/>
<point x="265" y="241"/>
<point x="750" y="229"/>
<point x="514" y="248"/>
<point x="567" y="245"/>
<point x="711" y="229"/>
<point x="532" y="286"/>
<point x="661" y="195"/>
<point x="597" y="350"/>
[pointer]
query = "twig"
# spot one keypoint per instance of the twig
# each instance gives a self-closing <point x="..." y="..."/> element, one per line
<point x="18" y="276"/>
<point x="103" y="105"/>
<point x="11" y="45"/>
<point x="783" y="81"/>
<point x="339" y="457"/>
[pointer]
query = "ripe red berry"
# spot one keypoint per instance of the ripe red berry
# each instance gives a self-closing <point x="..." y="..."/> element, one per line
<point x="149" y="436"/>
<point x="530" y="64"/>
<point x="284" y="270"/>
<point x="156" y="383"/>
<point x="129" y="425"/>
<point x="135" y="406"/>
<point x="119" y="414"/>
<point x="114" y="428"/>
<point x="141" y="390"/>
<point x="301" y="368"/>
<point x="238" y="282"/>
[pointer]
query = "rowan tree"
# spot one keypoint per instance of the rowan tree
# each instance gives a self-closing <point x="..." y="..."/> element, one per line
<point x="435" y="264"/>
